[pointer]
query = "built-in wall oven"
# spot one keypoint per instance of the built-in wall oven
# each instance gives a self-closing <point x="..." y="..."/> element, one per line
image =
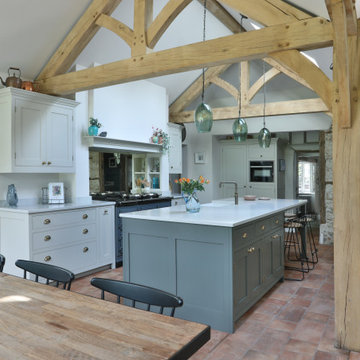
<point x="262" y="171"/>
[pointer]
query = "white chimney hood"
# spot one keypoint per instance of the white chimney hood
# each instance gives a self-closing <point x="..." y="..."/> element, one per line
<point x="104" y="144"/>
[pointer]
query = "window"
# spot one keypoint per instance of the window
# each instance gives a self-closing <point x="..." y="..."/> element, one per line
<point x="306" y="177"/>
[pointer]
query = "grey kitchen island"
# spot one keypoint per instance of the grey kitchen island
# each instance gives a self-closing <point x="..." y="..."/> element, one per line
<point x="221" y="261"/>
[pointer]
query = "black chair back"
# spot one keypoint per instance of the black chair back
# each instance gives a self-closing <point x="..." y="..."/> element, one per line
<point x="2" y="262"/>
<point x="48" y="272"/>
<point x="138" y="293"/>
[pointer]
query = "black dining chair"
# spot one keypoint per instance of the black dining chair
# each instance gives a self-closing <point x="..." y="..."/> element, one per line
<point x="48" y="272"/>
<point x="138" y="293"/>
<point x="2" y="262"/>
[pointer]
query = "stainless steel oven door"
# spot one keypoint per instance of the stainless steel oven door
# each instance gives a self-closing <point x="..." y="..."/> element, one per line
<point x="262" y="171"/>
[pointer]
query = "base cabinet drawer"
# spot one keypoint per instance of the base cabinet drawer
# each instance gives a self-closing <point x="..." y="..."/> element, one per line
<point x="60" y="237"/>
<point x="72" y="258"/>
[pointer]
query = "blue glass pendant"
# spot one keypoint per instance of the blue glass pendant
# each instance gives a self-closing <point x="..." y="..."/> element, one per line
<point x="264" y="138"/>
<point x="240" y="130"/>
<point x="203" y="118"/>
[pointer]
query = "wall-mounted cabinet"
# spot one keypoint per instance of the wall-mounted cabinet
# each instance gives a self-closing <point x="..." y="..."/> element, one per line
<point x="37" y="132"/>
<point x="146" y="168"/>
<point x="235" y="161"/>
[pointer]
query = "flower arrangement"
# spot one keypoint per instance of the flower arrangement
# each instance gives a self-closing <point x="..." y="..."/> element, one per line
<point x="160" y="137"/>
<point x="95" y="122"/>
<point x="188" y="186"/>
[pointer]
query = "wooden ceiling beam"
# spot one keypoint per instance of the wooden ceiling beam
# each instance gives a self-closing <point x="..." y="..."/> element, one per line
<point x="267" y="12"/>
<point x="308" y="34"/>
<point x="229" y="88"/>
<point x="223" y="15"/>
<point x="259" y="83"/>
<point x="194" y="90"/>
<point x="116" y="27"/>
<point x="143" y="13"/>
<point x="303" y="106"/>
<point x="341" y="71"/>
<point x="163" y="20"/>
<point x="78" y="38"/>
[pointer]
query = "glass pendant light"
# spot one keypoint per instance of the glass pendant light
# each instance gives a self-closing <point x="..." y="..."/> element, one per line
<point x="264" y="137"/>
<point x="203" y="114"/>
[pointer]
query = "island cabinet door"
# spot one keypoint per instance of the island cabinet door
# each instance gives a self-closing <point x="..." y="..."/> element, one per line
<point x="272" y="250"/>
<point x="247" y="277"/>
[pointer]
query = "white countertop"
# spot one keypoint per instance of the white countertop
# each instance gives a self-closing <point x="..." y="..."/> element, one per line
<point x="31" y="207"/>
<point x="219" y="212"/>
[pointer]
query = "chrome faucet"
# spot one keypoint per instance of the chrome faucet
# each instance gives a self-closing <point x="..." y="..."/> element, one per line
<point x="236" y="194"/>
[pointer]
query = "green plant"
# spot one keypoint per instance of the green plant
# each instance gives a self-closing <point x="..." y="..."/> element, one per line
<point x="95" y="122"/>
<point x="163" y="139"/>
<point x="188" y="186"/>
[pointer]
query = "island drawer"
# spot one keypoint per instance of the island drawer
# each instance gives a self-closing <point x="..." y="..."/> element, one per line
<point x="72" y="257"/>
<point x="54" y="238"/>
<point x="264" y="225"/>
<point x="277" y="221"/>
<point x="61" y="218"/>
<point x="243" y="235"/>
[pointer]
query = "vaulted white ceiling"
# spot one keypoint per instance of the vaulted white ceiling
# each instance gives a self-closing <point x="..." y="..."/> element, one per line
<point x="30" y="31"/>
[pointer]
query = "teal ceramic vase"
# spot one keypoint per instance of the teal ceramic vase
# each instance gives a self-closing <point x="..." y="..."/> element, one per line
<point x="93" y="130"/>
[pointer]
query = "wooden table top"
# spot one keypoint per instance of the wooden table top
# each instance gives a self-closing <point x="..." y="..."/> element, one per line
<point x="41" y="322"/>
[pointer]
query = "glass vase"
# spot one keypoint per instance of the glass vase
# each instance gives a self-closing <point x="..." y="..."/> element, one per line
<point x="192" y="202"/>
<point x="11" y="197"/>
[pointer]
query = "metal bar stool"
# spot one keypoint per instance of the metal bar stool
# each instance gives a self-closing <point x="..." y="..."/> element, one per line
<point x="306" y="220"/>
<point x="294" y="248"/>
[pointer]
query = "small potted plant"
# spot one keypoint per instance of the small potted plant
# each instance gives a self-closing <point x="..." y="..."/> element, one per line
<point x="94" y="126"/>
<point x="160" y="137"/>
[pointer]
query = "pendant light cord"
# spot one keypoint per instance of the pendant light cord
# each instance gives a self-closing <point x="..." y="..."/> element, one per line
<point x="264" y="90"/>
<point x="203" y="69"/>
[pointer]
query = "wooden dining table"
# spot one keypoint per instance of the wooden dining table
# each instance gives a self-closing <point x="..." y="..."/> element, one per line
<point x="42" y="322"/>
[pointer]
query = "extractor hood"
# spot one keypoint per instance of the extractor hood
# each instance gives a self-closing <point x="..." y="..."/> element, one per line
<point x="105" y="144"/>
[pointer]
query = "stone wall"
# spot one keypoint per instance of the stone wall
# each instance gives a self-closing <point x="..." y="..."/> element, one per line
<point x="327" y="228"/>
<point x="94" y="164"/>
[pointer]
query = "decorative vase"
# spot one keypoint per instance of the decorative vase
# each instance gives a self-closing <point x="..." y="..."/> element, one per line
<point x="155" y="139"/>
<point x="192" y="202"/>
<point x="93" y="130"/>
<point x="11" y="197"/>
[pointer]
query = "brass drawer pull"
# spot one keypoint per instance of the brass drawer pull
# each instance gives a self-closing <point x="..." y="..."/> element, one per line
<point x="85" y="216"/>
<point x="47" y="238"/>
<point x="106" y="212"/>
<point x="244" y="235"/>
<point x="275" y="236"/>
<point x="85" y="249"/>
<point x="47" y="221"/>
<point x="85" y="231"/>
<point x="262" y="227"/>
<point x="43" y="163"/>
<point x="47" y="258"/>
<point x="276" y="221"/>
<point x="251" y="250"/>
<point x="49" y="162"/>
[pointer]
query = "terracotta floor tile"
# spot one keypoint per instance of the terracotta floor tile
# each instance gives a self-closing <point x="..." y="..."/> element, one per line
<point x="321" y="355"/>
<point x="308" y="330"/>
<point x="354" y="355"/>
<point x="299" y="346"/>
<point x="271" y="341"/>
<point x="291" y="313"/>
<point x="288" y="355"/>
<point x="322" y="306"/>
<point x="316" y="317"/>
<point x="282" y="325"/>
<point x="252" y="327"/>
<point x="328" y="345"/>
<point x="256" y="355"/>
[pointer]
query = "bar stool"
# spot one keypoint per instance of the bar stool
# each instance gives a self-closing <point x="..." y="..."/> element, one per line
<point x="306" y="220"/>
<point x="293" y="249"/>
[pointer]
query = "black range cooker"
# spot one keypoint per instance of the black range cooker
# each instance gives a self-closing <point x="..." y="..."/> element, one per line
<point x="125" y="203"/>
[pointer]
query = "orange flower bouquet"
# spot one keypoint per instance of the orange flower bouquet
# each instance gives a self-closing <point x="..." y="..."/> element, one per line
<point x="188" y="186"/>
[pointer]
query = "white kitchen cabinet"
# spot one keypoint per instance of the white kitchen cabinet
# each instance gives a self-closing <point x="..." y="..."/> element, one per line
<point x="146" y="167"/>
<point x="235" y="166"/>
<point x="38" y="132"/>
<point x="175" y="149"/>
<point x="79" y="239"/>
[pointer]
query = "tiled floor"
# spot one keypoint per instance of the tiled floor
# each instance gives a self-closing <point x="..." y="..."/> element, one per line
<point x="294" y="321"/>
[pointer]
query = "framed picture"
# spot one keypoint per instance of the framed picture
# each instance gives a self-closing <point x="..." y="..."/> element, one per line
<point x="112" y="162"/>
<point x="199" y="158"/>
<point x="56" y="193"/>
